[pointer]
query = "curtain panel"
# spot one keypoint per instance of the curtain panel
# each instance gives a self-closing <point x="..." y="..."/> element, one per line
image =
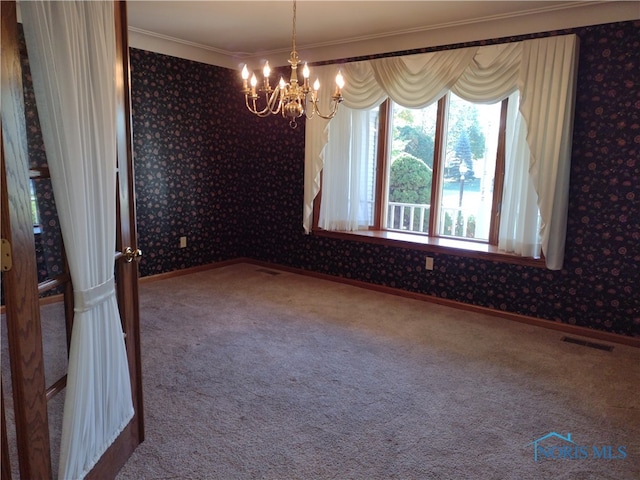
<point x="316" y="139"/>
<point x="72" y="51"/>
<point x="345" y="202"/>
<point x="543" y="71"/>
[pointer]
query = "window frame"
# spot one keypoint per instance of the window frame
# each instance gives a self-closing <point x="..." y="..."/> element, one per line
<point x="435" y="243"/>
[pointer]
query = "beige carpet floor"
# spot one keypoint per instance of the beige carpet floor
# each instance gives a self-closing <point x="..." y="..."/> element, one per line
<point x="252" y="373"/>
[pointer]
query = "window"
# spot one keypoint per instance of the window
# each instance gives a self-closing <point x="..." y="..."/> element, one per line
<point x="434" y="171"/>
<point x="447" y="192"/>
<point x="499" y="175"/>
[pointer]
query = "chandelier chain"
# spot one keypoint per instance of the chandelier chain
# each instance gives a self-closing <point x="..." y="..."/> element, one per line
<point x="293" y="36"/>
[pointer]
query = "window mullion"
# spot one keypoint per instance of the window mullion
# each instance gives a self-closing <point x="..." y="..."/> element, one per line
<point x="438" y="156"/>
<point x="384" y="133"/>
<point x="498" y="181"/>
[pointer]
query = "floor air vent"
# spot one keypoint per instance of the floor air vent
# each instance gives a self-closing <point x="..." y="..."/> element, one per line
<point x="269" y="272"/>
<point x="584" y="343"/>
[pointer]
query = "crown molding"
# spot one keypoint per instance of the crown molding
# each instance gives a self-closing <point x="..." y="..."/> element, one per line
<point x="580" y="14"/>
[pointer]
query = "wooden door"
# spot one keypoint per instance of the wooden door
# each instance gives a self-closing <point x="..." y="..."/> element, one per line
<point x="21" y="289"/>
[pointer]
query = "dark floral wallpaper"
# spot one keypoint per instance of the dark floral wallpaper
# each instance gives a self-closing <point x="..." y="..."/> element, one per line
<point x="206" y="167"/>
<point x="189" y="162"/>
<point x="198" y="157"/>
<point x="233" y="185"/>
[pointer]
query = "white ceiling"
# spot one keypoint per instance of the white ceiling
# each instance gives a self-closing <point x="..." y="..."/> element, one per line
<point x="233" y="32"/>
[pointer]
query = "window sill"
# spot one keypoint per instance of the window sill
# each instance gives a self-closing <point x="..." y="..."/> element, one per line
<point x="447" y="246"/>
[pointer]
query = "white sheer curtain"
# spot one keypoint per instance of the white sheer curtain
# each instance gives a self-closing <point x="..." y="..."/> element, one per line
<point x="71" y="47"/>
<point x="543" y="70"/>
<point x="316" y="137"/>
<point x="345" y="180"/>
<point x="519" y="216"/>
<point x="547" y="83"/>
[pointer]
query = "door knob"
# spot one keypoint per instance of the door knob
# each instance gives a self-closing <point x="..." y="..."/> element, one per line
<point x="130" y="254"/>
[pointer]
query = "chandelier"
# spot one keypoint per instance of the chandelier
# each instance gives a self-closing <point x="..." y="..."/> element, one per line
<point x="291" y="100"/>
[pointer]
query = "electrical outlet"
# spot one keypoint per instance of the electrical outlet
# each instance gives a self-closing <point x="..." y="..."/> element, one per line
<point x="183" y="242"/>
<point x="428" y="263"/>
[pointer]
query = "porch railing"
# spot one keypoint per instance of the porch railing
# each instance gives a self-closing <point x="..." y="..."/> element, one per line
<point x="411" y="217"/>
<point x="408" y="217"/>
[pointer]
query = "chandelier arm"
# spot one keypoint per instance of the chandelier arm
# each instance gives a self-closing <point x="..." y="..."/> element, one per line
<point x="246" y="101"/>
<point x="265" y="112"/>
<point x="334" y="102"/>
<point x="275" y="101"/>
<point x="306" y="109"/>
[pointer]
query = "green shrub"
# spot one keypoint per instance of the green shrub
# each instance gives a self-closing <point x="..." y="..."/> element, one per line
<point x="409" y="180"/>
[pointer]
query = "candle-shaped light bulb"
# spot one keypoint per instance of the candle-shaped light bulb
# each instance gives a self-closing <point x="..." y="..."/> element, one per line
<point x="305" y="75"/>
<point x="245" y="76"/>
<point x="266" y="71"/>
<point x="282" y="83"/>
<point x="254" y="82"/>
<point x="340" y="80"/>
<point x="316" y="85"/>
